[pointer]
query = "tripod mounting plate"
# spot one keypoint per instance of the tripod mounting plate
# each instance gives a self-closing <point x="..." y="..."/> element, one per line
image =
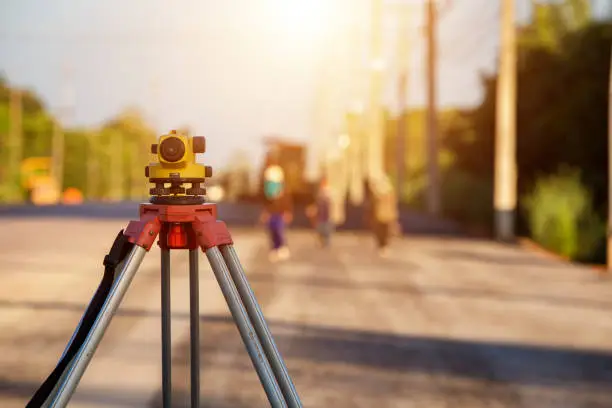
<point x="179" y="227"/>
<point x="177" y="200"/>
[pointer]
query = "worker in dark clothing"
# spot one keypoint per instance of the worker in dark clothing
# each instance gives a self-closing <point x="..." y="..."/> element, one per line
<point x="277" y="213"/>
<point x="381" y="212"/>
<point x="320" y="214"/>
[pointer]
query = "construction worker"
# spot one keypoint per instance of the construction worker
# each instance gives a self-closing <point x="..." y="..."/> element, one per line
<point x="382" y="213"/>
<point x="277" y="212"/>
<point x="320" y="213"/>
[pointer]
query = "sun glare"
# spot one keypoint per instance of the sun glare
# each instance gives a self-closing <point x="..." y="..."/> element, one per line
<point x="302" y="20"/>
<point x="305" y="16"/>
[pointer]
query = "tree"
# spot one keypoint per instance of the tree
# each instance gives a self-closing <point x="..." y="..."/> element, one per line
<point x="561" y="115"/>
<point x="126" y="140"/>
<point x="96" y="160"/>
<point x="552" y="21"/>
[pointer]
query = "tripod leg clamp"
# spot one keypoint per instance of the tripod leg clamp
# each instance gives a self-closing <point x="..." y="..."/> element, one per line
<point x="143" y="232"/>
<point x="211" y="232"/>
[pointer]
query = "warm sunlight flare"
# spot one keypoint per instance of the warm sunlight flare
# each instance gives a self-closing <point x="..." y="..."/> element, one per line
<point x="304" y="18"/>
<point x="306" y="23"/>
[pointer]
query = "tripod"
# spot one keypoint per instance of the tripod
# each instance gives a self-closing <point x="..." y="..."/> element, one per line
<point x="191" y="227"/>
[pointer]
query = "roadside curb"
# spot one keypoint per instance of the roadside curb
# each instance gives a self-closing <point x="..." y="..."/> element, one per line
<point x="532" y="246"/>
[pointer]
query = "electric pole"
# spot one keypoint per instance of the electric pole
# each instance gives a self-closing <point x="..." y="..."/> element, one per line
<point x="155" y="93"/>
<point x="321" y="118"/>
<point x="357" y="167"/>
<point x="609" y="251"/>
<point x="375" y="135"/>
<point x="403" y="66"/>
<point x="505" y="146"/>
<point x="15" y="143"/>
<point x="116" y="165"/>
<point x="57" y="147"/>
<point x="58" y="144"/>
<point x="355" y="156"/>
<point x="433" y="187"/>
<point x="93" y="167"/>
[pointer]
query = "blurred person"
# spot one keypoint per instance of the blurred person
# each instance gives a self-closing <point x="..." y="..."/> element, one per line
<point x="382" y="213"/>
<point x="320" y="214"/>
<point x="277" y="212"/>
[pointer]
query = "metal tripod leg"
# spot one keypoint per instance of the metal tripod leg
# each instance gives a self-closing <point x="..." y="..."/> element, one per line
<point x="245" y="327"/>
<point x="263" y="332"/>
<point x="194" y="320"/>
<point x="63" y="377"/>
<point x="166" y="333"/>
<point x="194" y="323"/>
<point x="47" y="403"/>
<point x="86" y="352"/>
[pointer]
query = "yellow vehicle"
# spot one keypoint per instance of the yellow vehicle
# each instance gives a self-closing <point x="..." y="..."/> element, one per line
<point x="36" y="179"/>
<point x="45" y="191"/>
<point x="32" y="168"/>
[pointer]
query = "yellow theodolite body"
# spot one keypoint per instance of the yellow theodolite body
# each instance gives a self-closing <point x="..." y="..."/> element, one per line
<point x="176" y="158"/>
<point x="176" y="165"/>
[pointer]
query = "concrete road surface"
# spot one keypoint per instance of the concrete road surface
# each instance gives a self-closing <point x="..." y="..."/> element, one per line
<point x="440" y="323"/>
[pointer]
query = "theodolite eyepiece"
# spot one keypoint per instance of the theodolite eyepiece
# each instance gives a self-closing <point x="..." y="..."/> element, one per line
<point x="176" y="165"/>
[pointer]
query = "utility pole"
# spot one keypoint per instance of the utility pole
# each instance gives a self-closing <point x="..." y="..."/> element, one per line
<point x="93" y="167"/>
<point x="357" y="167"/>
<point x="505" y="146"/>
<point x="609" y="251"/>
<point x="433" y="187"/>
<point x="57" y="147"/>
<point x="320" y="118"/>
<point x="375" y="135"/>
<point x="403" y="66"/>
<point x="58" y="144"/>
<point x="116" y="165"/>
<point x="155" y="93"/>
<point x="15" y="144"/>
<point x="354" y="152"/>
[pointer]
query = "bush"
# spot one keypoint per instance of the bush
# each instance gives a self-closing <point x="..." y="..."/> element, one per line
<point x="11" y="191"/>
<point x="561" y="217"/>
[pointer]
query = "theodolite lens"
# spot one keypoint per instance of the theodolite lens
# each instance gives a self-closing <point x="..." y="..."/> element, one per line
<point x="172" y="149"/>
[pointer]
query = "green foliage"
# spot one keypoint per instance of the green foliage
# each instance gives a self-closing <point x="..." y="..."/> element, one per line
<point x="562" y="119"/>
<point x="75" y="160"/>
<point x="552" y="21"/>
<point x="561" y="217"/>
<point x="561" y="116"/>
<point x="37" y="131"/>
<point x="133" y="136"/>
<point x="87" y="152"/>
<point x="415" y="152"/>
<point x="467" y="198"/>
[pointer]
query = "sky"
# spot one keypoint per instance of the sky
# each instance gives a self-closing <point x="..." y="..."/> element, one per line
<point x="231" y="70"/>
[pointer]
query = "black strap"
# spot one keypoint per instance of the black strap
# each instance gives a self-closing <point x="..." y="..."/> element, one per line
<point x="120" y="249"/>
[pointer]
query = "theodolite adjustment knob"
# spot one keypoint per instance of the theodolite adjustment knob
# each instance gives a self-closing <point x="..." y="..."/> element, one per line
<point x="199" y="144"/>
<point x="159" y="191"/>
